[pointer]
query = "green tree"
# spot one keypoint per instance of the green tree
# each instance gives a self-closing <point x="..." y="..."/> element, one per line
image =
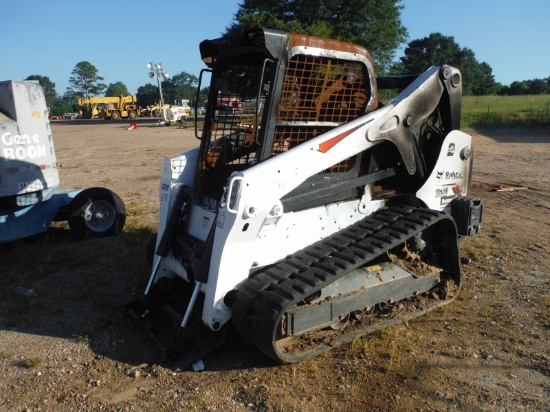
<point x="180" y="86"/>
<point x="518" y="88"/>
<point x="484" y="83"/>
<point x="68" y="98"/>
<point x="374" y="24"/>
<point x="84" y="80"/>
<point x="538" y="86"/>
<point x="65" y="103"/>
<point x="147" y="94"/>
<point x="203" y="96"/>
<point x="437" y="49"/>
<point x="117" y="89"/>
<point x="49" y="88"/>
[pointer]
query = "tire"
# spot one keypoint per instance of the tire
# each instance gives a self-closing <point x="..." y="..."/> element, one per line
<point x="132" y="115"/>
<point x="96" y="212"/>
<point x="115" y="115"/>
<point x="156" y="113"/>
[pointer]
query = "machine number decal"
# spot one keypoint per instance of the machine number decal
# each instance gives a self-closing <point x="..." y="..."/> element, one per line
<point x="448" y="195"/>
<point x="164" y="194"/>
<point x="210" y="204"/>
<point x="441" y="192"/>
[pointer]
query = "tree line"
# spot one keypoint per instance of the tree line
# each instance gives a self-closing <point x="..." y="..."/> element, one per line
<point x="85" y="82"/>
<point x="374" y="24"/>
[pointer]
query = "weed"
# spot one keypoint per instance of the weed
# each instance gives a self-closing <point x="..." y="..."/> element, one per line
<point x="85" y="339"/>
<point x="356" y="349"/>
<point x="543" y="302"/>
<point x="7" y="354"/>
<point x="476" y="248"/>
<point x="33" y="362"/>
<point x="134" y="209"/>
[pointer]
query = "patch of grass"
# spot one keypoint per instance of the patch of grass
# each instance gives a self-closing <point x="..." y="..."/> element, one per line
<point x="113" y="262"/>
<point x="138" y="233"/>
<point x="134" y="209"/>
<point x="33" y="362"/>
<point x="7" y="354"/>
<point x="477" y="247"/>
<point x="505" y="110"/>
<point x="543" y="311"/>
<point x="196" y="401"/>
<point x="85" y="339"/>
<point x="44" y="254"/>
<point x="387" y="347"/>
<point x="356" y="349"/>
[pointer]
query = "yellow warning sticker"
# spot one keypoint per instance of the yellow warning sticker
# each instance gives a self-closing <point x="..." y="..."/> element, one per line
<point x="35" y="114"/>
<point x="374" y="268"/>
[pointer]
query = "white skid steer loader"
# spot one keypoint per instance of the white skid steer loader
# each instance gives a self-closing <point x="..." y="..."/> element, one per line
<point x="304" y="224"/>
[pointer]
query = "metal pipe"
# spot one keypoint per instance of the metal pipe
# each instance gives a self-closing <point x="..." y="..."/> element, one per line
<point x="191" y="304"/>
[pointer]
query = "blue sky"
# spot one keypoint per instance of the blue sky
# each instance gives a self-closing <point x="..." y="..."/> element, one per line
<point x="49" y="38"/>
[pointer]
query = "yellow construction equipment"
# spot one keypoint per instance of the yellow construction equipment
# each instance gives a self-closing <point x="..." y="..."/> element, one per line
<point x="184" y="104"/>
<point x="124" y="107"/>
<point x="92" y="106"/>
<point x="155" y="110"/>
<point x="115" y="107"/>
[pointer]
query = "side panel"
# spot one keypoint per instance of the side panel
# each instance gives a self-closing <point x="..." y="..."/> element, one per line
<point x="258" y="207"/>
<point x="27" y="157"/>
<point x="451" y="174"/>
<point x="176" y="171"/>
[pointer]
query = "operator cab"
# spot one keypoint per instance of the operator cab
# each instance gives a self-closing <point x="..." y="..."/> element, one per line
<point x="303" y="87"/>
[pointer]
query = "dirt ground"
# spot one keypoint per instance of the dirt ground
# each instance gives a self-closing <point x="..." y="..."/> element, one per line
<point x="64" y="345"/>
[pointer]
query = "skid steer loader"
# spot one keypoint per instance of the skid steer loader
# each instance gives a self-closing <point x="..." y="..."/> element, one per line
<point x="324" y="216"/>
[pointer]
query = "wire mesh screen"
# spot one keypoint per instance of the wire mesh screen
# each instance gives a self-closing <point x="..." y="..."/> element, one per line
<point x="318" y="94"/>
<point x="233" y="129"/>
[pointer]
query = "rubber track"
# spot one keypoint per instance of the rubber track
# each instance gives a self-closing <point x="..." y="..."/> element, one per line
<point x="263" y="299"/>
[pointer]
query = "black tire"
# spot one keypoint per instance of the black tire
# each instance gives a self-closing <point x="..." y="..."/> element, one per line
<point x="96" y="212"/>
<point x="132" y="114"/>
<point x="156" y="113"/>
<point x="115" y="115"/>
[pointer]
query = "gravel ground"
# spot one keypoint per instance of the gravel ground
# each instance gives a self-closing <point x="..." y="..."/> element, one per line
<point x="64" y="345"/>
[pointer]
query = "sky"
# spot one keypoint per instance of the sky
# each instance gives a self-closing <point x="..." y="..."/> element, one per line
<point x="48" y="38"/>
